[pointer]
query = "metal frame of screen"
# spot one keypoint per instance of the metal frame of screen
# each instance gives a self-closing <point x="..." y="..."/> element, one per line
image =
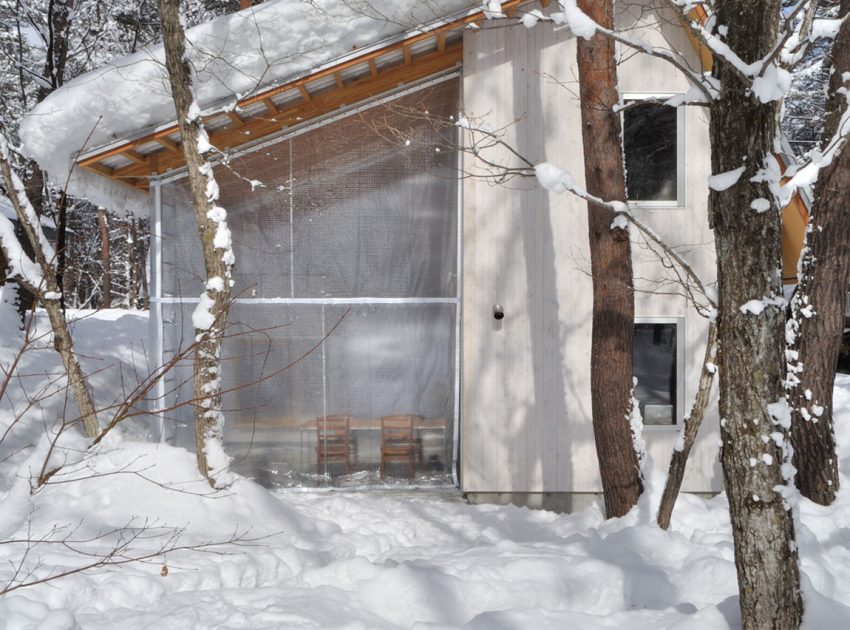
<point x="157" y="299"/>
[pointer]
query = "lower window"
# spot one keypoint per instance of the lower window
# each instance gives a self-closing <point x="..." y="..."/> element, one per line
<point x="657" y="370"/>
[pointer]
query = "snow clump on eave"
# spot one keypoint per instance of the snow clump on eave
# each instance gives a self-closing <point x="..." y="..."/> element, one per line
<point x="231" y="56"/>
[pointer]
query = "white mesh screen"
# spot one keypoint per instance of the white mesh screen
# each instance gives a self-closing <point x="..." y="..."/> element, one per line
<point x="349" y="215"/>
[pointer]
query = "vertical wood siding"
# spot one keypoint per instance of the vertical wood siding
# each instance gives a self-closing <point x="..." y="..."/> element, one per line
<point x="525" y="407"/>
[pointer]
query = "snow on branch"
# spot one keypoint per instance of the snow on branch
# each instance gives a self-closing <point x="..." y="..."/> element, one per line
<point x="21" y="203"/>
<point x="769" y="75"/>
<point x="807" y="175"/>
<point x="21" y="266"/>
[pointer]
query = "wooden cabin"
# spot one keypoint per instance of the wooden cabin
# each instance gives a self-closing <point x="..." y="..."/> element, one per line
<point x="383" y="270"/>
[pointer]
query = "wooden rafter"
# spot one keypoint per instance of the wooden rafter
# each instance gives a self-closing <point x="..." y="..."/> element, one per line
<point x="169" y="144"/>
<point x="319" y="105"/>
<point x="102" y="169"/>
<point x="236" y="119"/>
<point x="270" y="106"/>
<point x="134" y="156"/>
<point x="304" y="93"/>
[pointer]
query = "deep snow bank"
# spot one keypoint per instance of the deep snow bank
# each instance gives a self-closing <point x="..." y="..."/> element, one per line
<point x="360" y="560"/>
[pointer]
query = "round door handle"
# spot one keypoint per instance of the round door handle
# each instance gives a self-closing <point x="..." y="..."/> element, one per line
<point x="498" y="312"/>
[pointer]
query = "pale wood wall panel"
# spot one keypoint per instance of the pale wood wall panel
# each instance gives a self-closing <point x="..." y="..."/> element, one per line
<point x="526" y="421"/>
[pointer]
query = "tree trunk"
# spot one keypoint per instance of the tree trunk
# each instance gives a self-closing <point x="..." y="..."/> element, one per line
<point x="679" y="460"/>
<point x="751" y="328"/>
<point x="611" y="266"/>
<point x="106" y="302"/>
<point x="818" y="306"/>
<point x="210" y="317"/>
<point x="59" y="16"/>
<point x="62" y="341"/>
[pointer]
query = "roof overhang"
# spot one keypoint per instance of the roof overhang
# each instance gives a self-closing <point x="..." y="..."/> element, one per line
<point x="344" y="81"/>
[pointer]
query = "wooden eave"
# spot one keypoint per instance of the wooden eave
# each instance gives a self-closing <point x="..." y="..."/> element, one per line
<point x="411" y="59"/>
<point x="795" y="221"/>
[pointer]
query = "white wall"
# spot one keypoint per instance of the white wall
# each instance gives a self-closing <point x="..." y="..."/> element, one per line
<point x="525" y="408"/>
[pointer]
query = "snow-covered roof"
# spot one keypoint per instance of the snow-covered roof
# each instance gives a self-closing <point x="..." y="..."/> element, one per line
<point x="233" y="56"/>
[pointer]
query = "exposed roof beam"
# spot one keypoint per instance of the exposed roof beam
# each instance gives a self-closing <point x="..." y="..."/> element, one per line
<point x="169" y="144"/>
<point x="135" y="156"/>
<point x="320" y="104"/>
<point x="269" y="103"/>
<point x="304" y="93"/>
<point x="235" y="119"/>
<point x="102" y="169"/>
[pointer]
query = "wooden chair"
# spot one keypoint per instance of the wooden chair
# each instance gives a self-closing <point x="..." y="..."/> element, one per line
<point x="333" y="442"/>
<point x="400" y="442"/>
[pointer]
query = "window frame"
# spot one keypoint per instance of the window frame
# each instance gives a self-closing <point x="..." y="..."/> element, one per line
<point x="680" y="371"/>
<point x="680" y="149"/>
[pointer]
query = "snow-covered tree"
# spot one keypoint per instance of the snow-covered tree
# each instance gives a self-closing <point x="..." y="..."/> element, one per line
<point x="210" y="316"/>
<point x="40" y="278"/>
<point x="814" y="334"/>
<point x="44" y="44"/>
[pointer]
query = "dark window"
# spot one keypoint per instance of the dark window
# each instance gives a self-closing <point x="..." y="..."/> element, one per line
<point x="656" y="373"/>
<point x="649" y="142"/>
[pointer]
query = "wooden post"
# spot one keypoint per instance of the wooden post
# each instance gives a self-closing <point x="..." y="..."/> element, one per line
<point x="104" y="257"/>
<point x="244" y="4"/>
<point x="133" y="264"/>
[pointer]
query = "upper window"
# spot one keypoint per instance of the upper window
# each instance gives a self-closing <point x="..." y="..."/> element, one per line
<point x="651" y="147"/>
<point x="656" y="368"/>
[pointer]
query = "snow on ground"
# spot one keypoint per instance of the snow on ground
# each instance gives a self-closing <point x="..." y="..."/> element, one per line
<point x="353" y="559"/>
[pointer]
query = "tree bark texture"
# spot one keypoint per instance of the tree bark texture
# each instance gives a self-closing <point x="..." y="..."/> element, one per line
<point x="50" y="293"/>
<point x="679" y="459"/>
<point x="211" y="221"/>
<point x="62" y="245"/>
<point x="103" y="226"/>
<point x="611" y="267"/>
<point x="818" y="306"/>
<point x="753" y="413"/>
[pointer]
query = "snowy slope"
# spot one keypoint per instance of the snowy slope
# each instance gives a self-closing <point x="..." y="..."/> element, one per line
<point x="357" y="560"/>
<point x="232" y="56"/>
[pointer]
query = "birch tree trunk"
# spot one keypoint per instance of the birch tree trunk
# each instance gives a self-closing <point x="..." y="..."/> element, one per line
<point x="611" y="266"/>
<point x="210" y="318"/>
<point x="49" y="291"/>
<point x="751" y="326"/>
<point x="818" y="306"/>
